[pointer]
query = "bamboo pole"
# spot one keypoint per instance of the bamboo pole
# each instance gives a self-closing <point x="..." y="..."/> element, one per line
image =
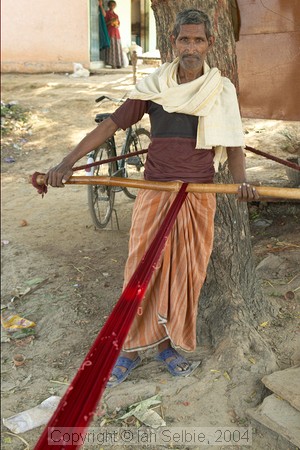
<point x="174" y="186"/>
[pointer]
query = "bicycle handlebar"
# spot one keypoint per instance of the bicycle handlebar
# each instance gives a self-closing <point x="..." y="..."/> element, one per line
<point x="116" y="100"/>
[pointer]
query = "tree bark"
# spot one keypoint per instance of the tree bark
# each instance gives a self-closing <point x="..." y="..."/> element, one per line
<point x="231" y="298"/>
<point x="231" y="305"/>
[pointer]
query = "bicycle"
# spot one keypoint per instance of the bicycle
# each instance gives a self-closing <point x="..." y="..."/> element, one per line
<point x="101" y="198"/>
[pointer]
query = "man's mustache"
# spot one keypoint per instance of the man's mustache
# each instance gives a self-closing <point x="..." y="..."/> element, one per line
<point x="192" y="56"/>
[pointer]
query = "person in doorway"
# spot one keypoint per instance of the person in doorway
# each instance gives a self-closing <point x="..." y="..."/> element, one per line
<point x="113" y="54"/>
<point x="195" y="124"/>
<point x="104" y="41"/>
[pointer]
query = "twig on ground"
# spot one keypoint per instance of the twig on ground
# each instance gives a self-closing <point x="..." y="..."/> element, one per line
<point x="35" y="288"/>
<point x="293" y="278"/>
<point x="18" y="437"/>
<point x="59" y="382"/>
<point x="78" y="270"/>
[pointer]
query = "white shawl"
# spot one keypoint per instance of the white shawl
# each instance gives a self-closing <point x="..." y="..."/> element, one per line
<point x="210" y="97"/>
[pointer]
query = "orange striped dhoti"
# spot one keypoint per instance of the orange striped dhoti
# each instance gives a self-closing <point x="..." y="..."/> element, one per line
<point x="169" y="308"/>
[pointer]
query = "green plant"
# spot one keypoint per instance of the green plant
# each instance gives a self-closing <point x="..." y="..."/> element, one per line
<point x="12" y="116"/>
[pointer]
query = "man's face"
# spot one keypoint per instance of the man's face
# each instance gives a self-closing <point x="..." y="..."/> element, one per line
<point x="191" y="46"/>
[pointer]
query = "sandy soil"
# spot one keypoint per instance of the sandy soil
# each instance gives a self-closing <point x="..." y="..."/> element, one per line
<point x="75" y="272"/>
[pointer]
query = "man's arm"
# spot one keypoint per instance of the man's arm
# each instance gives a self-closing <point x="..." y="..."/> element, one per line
<point x="59" y="174"/>
<point x="102" y="8"/>
<point x="237" y="167"/>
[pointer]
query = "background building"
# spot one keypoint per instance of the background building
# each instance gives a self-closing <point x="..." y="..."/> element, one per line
<point x="42" y="36"/>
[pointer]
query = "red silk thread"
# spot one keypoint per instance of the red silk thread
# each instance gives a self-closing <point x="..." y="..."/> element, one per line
<point x="78" y="405"/>
<point x="284" y="162"/>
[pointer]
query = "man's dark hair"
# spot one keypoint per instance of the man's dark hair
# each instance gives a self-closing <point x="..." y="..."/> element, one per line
<point x="189" y="17"/>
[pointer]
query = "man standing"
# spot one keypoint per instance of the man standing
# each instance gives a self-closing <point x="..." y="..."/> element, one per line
<point x="195" y="125"/>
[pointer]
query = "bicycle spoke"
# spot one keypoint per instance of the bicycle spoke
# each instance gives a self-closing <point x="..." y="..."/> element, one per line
<point x="133" y="167"/>
<point x="101" y="198"/>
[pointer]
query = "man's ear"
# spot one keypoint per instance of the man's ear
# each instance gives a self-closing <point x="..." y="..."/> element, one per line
<point x="173" y="43"/>
<point x="172" y="40"/>
<point x="211" y="41"/>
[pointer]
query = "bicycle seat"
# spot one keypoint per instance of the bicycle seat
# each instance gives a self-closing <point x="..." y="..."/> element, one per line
<point x="100" y="117"/>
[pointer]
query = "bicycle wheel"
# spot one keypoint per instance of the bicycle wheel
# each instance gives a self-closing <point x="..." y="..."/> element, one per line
<point x="133" y="167"/>
<point x="101" y="198"/>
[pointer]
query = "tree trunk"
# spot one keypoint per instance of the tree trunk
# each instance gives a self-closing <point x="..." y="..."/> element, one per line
<point x="231" y="304"/>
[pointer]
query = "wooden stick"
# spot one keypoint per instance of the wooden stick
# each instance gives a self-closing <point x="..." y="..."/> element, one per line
<point x="174" y="186"/>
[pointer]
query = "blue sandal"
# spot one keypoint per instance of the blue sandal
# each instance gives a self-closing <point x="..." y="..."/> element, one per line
<point x="173" y="365"/>
<point x="119" y="375"/>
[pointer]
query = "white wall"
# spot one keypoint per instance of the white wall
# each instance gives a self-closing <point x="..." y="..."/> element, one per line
<point x="123" y="9"/>
<point x="43" y="35"/>
<point x="152" y="31"/>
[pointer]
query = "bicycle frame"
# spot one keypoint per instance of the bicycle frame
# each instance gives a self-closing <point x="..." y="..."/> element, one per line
<point x="101" y="199"/>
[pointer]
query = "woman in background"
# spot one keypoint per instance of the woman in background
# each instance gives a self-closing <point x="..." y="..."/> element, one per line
<point x="113" y="54"/>
<point x="104" y="41"/>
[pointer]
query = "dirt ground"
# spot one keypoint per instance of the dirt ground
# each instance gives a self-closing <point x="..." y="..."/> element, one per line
<point x="64" y="275"/>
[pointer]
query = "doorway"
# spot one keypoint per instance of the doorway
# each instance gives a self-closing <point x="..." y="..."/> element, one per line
<point x="140" y="23"/>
